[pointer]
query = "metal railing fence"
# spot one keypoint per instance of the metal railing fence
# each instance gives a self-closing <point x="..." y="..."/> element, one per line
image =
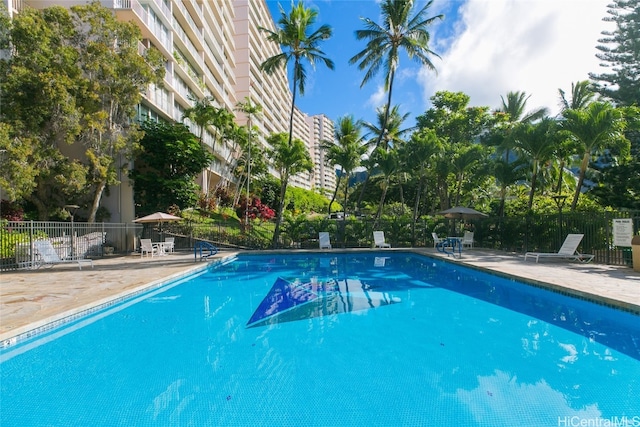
<point x="544" y="233"/>
<point x="69" y="240"/>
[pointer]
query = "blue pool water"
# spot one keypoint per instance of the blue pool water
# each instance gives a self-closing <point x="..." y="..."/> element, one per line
<point x="359" y="339"/>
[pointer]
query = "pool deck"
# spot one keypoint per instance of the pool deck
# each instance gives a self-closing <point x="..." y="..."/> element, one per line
<point x="30" y="299"/>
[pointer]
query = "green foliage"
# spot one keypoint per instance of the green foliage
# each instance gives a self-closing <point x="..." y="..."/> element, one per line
<point x="299" y="200"/>
<point x="10" y="240"/>
<point x="17" y="171"/>
<point x="165" y="168"/>
<point x="267" y="189"/>
<point x="620" y="52"/>
<point x="546" y="204"/>
<point x="75" y="77"/>
<point x="289" y="157"/>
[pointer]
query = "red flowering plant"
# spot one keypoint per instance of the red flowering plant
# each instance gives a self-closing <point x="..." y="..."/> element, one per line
<point x="255" y="210"/>
<point x="11" y="211"/>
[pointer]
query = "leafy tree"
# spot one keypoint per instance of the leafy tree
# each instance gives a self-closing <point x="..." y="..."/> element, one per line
<point x="400" y="30"/>
<point x="299" y="44"/>
<point x="419" y="155"/>
<point x="75" y="77"/>
<point x="17" y="173"/>
<point x="458" y="127"/>
<point x="598" y="127"/>
<point x="289" y="158"/>
<point x="165" y="168"/>
<point x="41" y="115"/>
<point x="619" y="51"/>
<point x="346" y="152"/>
<point x="619" y="185"/>
<point x="113" y="77"/>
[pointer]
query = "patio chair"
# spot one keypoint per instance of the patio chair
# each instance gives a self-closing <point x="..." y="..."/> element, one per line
<point x="146" y="247"/>
<point x="568" y="250"/>
<point x="324" y="239"/>
<point x="379" y="240"/>
<point x="47" y="255"/>
<point x="436" y="239"/>
<point x="467" y="239"/>
<point x="169" y="244"/>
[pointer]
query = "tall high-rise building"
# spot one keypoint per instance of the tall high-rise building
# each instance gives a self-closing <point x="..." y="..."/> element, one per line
<point x="212" y="49"/>
<point x="324" y="174"/>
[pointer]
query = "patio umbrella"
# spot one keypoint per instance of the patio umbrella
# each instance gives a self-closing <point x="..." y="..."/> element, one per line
<point x="460" y="212"/>
<point x="157" y="218"/>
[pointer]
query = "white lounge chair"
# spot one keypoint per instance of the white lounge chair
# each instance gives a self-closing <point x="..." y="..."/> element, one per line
<point x="169" y="244"/>
<point x="324" y="239"/>
<point x="146" y="247"/>
<point x="436" y="239"/>
<point x="379" y="240"/>
<point x="47" y="255"/>
<point x="467" y="239"/>
<point x="569" y="250"/>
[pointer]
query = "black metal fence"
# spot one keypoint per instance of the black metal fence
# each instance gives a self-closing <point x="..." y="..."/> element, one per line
<point x="544" y="233"/>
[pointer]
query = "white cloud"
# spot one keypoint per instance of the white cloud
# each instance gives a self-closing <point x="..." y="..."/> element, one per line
<point x="535" y="46"/>
<point x="378" y="98"/>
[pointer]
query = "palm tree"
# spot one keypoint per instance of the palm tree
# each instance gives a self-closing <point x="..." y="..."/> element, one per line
<point x="249" y="109"/>
<point x="385" y="136"/>
<point x="506" y="174"/>
<point x="465" y="160"/>
<point x="289" y="159"/>
<point x="399" y="31"/>
<point x="538" y="143"/>
<point x="515" y="109"/>
<point x="347" y="152"/>
<point x="598" y="127"/>
<point x="201" y="113"/>
<point x="298" y="45"/>
<point x="388" y="163"/>
<point x="581" y="96"/>
<point x="204" y="114"/>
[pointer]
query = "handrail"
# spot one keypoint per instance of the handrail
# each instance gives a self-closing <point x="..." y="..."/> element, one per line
<point x="450" y="243"/>
<point x="206" y="246"/>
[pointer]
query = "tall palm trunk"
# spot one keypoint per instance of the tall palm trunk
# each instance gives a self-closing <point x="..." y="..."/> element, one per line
<point x="416" y="206"/>
<point x="335" y="194"/>
<point x="293" y="100"/>
<point x="583" y="169"/>
<point x="382" y="132"/>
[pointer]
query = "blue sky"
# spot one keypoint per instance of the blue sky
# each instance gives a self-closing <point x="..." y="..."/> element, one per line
<point x="486" y="47"/>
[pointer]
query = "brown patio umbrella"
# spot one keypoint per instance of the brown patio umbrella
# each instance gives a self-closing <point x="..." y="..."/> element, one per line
<point x="460" y="212"/>
<point x="158" y="218"/>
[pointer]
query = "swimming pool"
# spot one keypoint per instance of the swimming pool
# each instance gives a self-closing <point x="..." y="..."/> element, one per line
<point x="331" y="339"/>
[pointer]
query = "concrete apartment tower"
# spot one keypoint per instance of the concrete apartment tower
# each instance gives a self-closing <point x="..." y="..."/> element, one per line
<point x="212" y="49"/>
